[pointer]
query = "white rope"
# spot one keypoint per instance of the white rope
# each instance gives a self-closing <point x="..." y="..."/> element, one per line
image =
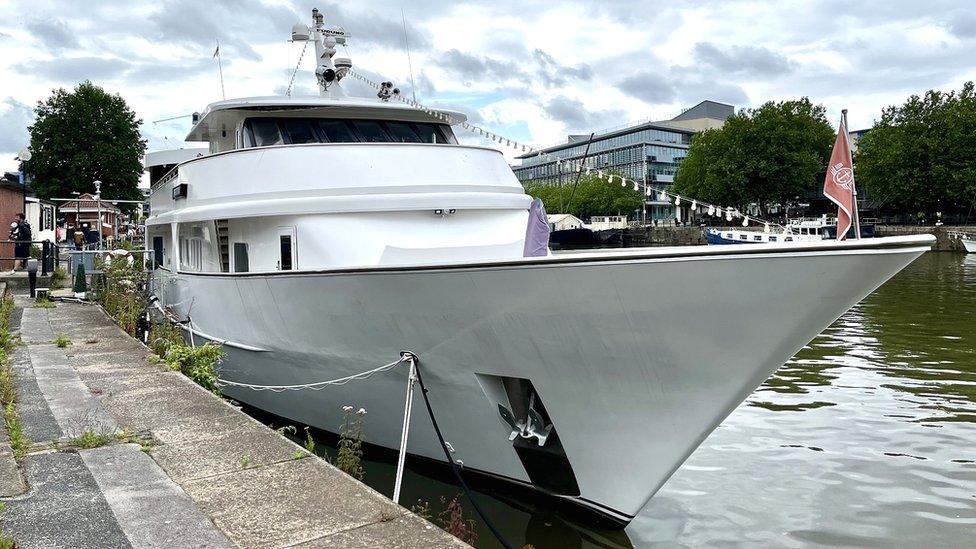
<point x="317" y="386"/>
<point x="578" y="165"/>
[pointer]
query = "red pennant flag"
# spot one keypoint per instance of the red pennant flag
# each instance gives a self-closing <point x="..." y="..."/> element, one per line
<point x="839" y="183"/>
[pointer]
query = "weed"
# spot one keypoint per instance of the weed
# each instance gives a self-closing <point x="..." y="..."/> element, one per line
<point x="6" y="542"/>
<point x="350" y="455"/>
<point x="287" y="429"/>
<point x="58" y="278"/>
<point x="453" y="522"/>
<point x="422" y="509"/>
<point x="201" y="364"/>
<point x="162" y="336"/>
<point x="90" y="439"/>
<point x="298" y="454"/>
<point x="43" y="303"/>
<point x="245" y="460"/>
<point x="387" y="514"/>
<point x="15" y="431"/>
<point x="62" y="341"/>
<point x="122" y="293"/>
<point x="309" y="441"/>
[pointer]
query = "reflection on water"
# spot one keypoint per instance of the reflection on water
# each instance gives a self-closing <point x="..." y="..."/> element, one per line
<point x="866" y="437"/>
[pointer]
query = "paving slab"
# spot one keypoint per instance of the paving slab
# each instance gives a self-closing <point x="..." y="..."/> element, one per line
<point x="11" y="481"/>
<point x="35" y="416"/>
<point x="72" y="404"/>
<point x="387" y="534"/>
<point x="321" y="501"/>
<point x="151" y="509"/>
<point x="65" y="507"/>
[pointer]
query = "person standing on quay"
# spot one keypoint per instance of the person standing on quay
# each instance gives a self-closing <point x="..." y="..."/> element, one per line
<point x="20" y="232"/>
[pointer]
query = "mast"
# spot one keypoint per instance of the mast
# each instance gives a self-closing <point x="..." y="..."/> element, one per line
<point x="328" y="72"/>
<point x="847" y="138"/>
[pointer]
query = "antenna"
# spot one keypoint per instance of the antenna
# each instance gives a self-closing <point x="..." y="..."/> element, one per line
<point x="220" y="68"/>
<point x="406" y="45"/>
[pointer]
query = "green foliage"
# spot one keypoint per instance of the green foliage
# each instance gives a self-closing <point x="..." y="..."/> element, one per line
<point x="81" y="285"/>
<point x="162" y="336"/>
<point x="90" y="439"/>
<point x="122" y="294"/>
<point x="245" y="460"/>
<point x="921" y="156"/>
<point x="6" y="309"/>
<point x="767" y="155"/>
<point x="6" y="542"/>
<point x="43" y="302"/>
<point x="593" y="196"/>
<point x="422" y="509"/>
<point x="58" y="278"/>
<point x="299" y="454"/>
<point x="84" y="135"/>
<point x="309" y="441"/>
<point x="8" y="394"/>
<point x="62" y="341"/>
<point x="201" y="364"/>
<point x="35" y="251"/>
<point x="350" y="455"/>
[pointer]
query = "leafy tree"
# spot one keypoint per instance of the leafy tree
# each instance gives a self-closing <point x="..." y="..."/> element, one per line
<point x="763" y="156"/>
<point x="82" y="136"/>
<point x="921" y="156"/>
<point x="593" y="196"/>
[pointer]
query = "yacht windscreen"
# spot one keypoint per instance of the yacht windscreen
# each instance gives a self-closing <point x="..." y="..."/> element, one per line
<point x="264" y="132"/>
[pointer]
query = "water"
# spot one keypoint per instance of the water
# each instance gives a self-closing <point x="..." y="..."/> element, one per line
<point x="866" y="438"/>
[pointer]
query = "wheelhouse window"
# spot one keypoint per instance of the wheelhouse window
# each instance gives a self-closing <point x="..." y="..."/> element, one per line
<point x="265" y="132"/>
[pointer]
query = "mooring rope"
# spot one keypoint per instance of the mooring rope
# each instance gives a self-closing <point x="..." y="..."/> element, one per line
<point x="318" y="385"/>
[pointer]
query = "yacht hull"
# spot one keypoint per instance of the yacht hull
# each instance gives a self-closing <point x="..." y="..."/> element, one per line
<point x="637" y="355"/>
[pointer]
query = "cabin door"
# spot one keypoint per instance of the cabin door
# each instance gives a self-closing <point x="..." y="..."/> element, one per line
<point x="287" y="249"/>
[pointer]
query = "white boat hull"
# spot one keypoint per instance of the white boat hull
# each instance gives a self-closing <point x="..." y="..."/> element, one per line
<point x="637" y="354"/>
<point x="970" y="245"/>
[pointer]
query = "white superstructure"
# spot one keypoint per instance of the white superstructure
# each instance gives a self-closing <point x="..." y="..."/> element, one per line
<point x="323" y="235"/>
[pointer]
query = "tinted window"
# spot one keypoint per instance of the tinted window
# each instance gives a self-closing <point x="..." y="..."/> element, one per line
<point x="429" y="133"/>
<point x="402" y="132"/>
<point x="299" y="131"/>
<point x="336" y="131"/>
<point x="371" y="131"/>
<point x="157" y="251"/>
<point x="265" y="133"/>
<point x="240" y="257"/>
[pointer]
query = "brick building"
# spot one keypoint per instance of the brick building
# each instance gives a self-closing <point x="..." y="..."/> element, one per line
<point x="11" y="204"/>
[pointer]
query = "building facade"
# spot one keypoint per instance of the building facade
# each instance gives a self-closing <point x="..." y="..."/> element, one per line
<point x="648" y="152"/>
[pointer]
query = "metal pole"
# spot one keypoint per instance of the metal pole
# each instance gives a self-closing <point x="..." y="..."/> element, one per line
<point x="405" y="430"/>
<point x="857" y="217"/>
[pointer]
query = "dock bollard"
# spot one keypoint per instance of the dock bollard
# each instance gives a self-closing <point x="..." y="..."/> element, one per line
<point x="32" y="276"/>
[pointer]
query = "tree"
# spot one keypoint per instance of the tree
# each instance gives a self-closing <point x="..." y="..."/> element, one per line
<point x="593" y="196"/>
<point x="763" y="156"/>
<point x="82" y="136"/>
<point x="921" y="156"/>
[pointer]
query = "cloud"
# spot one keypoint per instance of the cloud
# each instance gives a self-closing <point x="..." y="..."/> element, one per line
<point x="52" y="33"/>
<point x="477" y="67"/>
<point x="962" y="24"/>
<point x="73" y="70"/>
<point x="14" y="120"/>
<point x="746" y="60"/>
<point x="576" y="117"/>
<point x="553" y="74"/>
<point x="649" y="87"/>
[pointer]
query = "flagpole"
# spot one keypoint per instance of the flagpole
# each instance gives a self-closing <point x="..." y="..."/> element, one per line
<point x="220" y="68"/>
<point x="847" y="137"/>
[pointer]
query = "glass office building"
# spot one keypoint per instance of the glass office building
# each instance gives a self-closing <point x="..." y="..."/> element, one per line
<point x="649" y="152"/>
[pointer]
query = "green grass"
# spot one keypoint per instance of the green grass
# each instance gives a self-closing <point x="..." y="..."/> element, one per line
<point x="19" y="443"/>
<point x="62" y="341"/>
<point x="91" y="439"/>
<point x="58" y="278"/>
<point x="43" y="303"/>
<point x="6" y="542"/>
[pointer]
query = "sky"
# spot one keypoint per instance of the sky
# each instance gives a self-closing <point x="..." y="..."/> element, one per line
<point x="533" y="71"/>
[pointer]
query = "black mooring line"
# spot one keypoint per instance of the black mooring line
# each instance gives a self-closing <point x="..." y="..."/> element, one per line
<point x="454" y="467"/>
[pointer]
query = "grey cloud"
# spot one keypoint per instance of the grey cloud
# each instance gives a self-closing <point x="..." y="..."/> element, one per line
<point x="649" y="87"/>
<point x="691" y="91"/>
<point x="962" y="24"/>
<point x="474" y="67"/>
<point x="14" y="120"/>
<point x="554" y="74"/>
<point x="576" y="117"/>
<point x="748" y="60"/>
<point x="159" y="72"/>
<point x="54" y="34"/>
<point x="73" y="70"/>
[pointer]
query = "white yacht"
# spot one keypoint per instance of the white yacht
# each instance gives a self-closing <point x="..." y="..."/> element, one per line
<point x="323" y="235"/>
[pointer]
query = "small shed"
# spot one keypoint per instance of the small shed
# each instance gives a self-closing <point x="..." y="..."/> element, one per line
<point x="564" y="222"/>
